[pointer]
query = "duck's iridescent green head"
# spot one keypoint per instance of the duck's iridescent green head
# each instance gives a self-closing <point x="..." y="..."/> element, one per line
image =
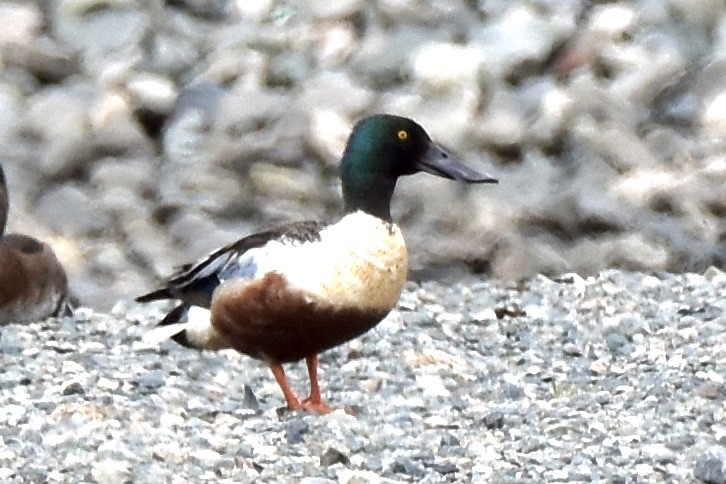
<point x="382" y="148"/>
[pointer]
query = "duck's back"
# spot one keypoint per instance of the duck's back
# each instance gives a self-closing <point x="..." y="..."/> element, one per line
<point x="33" y="284"/>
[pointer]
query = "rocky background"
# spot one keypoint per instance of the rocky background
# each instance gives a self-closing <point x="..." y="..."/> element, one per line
<point x="138" y="135"/>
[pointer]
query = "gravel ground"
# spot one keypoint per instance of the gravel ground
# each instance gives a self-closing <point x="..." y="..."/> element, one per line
<point x="130" y="127"/>
<point x="614" y="378"/>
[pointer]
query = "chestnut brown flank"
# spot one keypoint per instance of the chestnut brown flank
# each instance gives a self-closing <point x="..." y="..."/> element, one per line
<point x="270" y="321"/>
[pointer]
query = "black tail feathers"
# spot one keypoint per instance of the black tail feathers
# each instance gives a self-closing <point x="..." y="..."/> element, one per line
<point x="177" y="315"/>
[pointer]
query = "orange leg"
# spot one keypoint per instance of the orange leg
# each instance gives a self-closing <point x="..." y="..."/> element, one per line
<point x="314" y="402"/>
<point x="293" y="403"/>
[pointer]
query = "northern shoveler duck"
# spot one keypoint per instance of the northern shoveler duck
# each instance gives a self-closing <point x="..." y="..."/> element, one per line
<point x="33" y="284"/>
<point x="299" y="289"/>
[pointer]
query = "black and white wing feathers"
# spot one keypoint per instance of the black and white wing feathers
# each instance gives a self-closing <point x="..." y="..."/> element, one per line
<point x="194" y="284"/>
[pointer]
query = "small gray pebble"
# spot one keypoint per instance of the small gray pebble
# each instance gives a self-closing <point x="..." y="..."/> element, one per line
<point x="407" y="466"/>
<point x="494" y="420"/>
<point x="449" y="440"/>
<point x="616" y="343"/>
<point x="152" y="380"/>
<point x="250" y="399"/>
<point x="74" y="388"/>
<point x="571" y="349"/>
<point x="45" y="405"/>
<point x="296" y="430"/>
<point x="711" y="466"/>
<point x="447" y="468"/>
<point x="513" y="392"/>
<point x="603" y="397"/>
<point x="333" y="456"/>
<point x="10" y="341"/>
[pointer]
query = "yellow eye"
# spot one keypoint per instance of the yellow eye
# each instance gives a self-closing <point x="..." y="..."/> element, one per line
<point x="403" y="135"/>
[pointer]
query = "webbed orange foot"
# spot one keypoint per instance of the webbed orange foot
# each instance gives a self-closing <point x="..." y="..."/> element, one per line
<point x="311" y="405"/>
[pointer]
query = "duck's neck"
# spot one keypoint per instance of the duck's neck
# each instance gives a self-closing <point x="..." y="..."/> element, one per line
<point x="370" y="194"/>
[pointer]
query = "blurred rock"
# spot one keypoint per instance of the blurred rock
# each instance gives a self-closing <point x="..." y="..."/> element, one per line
<point x="114" y="126"/>
<point x="138" y="175"/>
<point x="212" y="9"/>
<point x="42" y="57"/>
<point x="71" y="210"/>
<point x="381" y="58"/>
<point x="714" y="116"/>
<point x="329" y="10"/>
<point x="462" y="65"/>
<point x="59" y="117"/>
<point x="502" y="125"/>
<point x="20" y="23"/>
<point x="11" y="105"/>
<point x="86" y="24"/>
<point x="139" y="135"/>
<point x="288" y="69"/>
<point x="506" y="51"/>
<point x="152" y="92"/>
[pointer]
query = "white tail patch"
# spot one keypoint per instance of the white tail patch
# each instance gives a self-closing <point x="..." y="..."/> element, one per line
<point x="197" y="325"/>
<point x="200" y="332"/>
<point x="162" y="333"/>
